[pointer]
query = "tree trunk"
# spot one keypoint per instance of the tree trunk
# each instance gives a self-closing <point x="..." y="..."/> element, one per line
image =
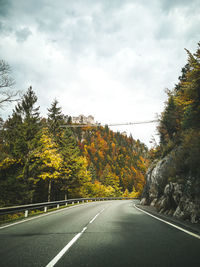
<point x="49" y="191"/>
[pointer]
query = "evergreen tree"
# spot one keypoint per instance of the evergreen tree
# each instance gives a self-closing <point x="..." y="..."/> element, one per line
<point x="170" y="121"/>
<point x="191" y="87"/>
<point x="21" y="133"/>
<point x="92" y="172"/>
<point x="55" y="119"/>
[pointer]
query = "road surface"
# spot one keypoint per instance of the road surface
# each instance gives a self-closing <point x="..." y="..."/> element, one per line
<point x="103" y="234"/>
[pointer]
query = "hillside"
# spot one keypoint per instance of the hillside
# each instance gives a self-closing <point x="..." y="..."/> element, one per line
<point x="114" y="159"/>
<point x="173" y="180"/>
<point x="45" y="159"/>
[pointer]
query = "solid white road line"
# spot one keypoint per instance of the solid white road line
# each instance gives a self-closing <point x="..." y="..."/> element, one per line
<point x="173" y="225"/>
<point x="66" y="248"/>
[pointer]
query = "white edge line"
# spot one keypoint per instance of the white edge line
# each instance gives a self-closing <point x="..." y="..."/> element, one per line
<point x="46" y="214"/>
<point x="175" y="226"/>
<point x="65" y="249"/>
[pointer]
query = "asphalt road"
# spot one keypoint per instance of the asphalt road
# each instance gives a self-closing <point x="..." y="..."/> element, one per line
<point x="104" y="234"/>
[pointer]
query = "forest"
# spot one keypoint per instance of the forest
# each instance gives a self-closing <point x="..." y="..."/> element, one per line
<point x="45" y="159"/>
<point x="179" y="127"/>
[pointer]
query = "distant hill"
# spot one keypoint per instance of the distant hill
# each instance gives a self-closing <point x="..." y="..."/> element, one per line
<point x="112" y="154"/>
<point x="43" y="159"/>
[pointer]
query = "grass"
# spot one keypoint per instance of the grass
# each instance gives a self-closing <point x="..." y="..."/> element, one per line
<point x="14" y="217"/>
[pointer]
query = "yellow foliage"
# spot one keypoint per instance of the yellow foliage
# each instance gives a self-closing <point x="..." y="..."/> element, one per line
<point x="126" y="193"/>
<point x="7" y="162"/>
<point x="49" y="158"/>
<point x="101" y="154"/>
<point x="100" y="190"/>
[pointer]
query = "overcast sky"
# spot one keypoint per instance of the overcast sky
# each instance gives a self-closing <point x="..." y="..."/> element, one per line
<point x="108" y="58"/>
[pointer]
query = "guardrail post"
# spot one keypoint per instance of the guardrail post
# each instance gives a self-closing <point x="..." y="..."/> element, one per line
<point x="26" y="214"/>
<point x="45" y="206"/>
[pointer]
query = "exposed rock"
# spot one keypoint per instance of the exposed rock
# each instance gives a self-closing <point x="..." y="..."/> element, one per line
<point x="171" y="198"/>
<point x="153" y="203"/>
<point x="144" y="201"/>
<point x="179" y="213"/>
<point x="187" y="210"/>
<point x="177" y="192"/>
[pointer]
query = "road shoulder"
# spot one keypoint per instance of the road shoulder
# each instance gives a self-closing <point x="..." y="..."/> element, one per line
<point x="194" y="228"/>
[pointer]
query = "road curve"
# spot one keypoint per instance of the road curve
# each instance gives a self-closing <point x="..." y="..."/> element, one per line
<point x="99" y="234"/>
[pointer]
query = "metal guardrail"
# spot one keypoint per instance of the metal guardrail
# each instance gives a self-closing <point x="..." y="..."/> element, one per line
<point x="45" y="205"/>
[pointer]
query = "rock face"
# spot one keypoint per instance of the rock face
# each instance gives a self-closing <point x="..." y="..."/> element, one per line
<point x="171" y="195"/>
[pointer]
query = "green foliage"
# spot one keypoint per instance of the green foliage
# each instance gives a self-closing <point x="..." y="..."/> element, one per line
<point x="43" y="159"/>
<point x="179" y="126"/>
<point x="191" y="151"/>
<point x="55" y="119"/>
<point x="108" y="178"/>
<point x="92" y="171"/>
<point x="182" y="111"/>
<point x="13" y="191"/>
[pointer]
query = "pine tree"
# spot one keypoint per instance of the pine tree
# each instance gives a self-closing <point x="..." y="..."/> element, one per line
<point x="170" y="120"/>
<point x="191" y="87"/>
<point x="55" y="119"/>
<point x="21" y="133"/>
<point x="92" y="172"/>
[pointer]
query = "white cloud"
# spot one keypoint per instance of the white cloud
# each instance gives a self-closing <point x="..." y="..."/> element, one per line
<point x="111" y="59"/>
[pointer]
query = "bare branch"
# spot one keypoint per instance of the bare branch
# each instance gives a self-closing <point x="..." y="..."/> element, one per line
<point x="7" y="95"/>
<point x="6" y="79"/>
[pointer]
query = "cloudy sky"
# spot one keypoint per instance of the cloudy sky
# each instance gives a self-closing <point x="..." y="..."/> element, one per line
<point x="108" y="58"/>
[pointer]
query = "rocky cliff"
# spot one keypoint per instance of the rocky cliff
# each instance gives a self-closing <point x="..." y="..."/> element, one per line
<point x="169" y="193"/>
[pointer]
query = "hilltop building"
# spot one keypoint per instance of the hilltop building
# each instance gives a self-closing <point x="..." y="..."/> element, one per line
<point x="124" y="133"/>
<point x="81" y="119"/>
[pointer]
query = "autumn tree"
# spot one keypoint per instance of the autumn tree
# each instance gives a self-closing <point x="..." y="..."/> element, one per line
<point x="112" y="155"/>
<point x="47" y="162"/>
<point x="179" y="126"/>
<point x="108" y="178"/>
